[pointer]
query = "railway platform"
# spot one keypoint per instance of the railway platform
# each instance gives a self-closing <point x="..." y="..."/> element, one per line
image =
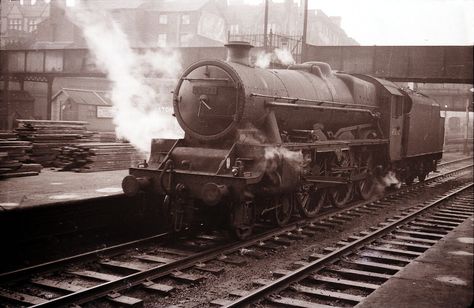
<point x="52" y="186"/>
<point x="441" y="277"/>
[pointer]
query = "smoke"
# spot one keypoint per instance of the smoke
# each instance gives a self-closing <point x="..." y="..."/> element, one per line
<point x="141" y="106"/>
<point x="278" y="55"/>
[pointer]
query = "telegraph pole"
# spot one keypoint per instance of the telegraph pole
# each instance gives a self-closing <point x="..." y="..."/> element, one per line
<point x="265" y="27"/>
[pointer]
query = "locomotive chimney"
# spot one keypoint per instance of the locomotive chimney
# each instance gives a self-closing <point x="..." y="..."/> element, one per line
<point x="238" y="52"/>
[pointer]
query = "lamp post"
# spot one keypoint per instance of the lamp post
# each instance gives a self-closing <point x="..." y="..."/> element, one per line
<point x="265" y="27"/>
<point x="466" y="132"/>
<point x="445" y="122"/>
<point x="305" y="30"/>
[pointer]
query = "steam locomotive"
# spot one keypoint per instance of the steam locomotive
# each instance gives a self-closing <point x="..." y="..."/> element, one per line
<point x="263" y="143"/>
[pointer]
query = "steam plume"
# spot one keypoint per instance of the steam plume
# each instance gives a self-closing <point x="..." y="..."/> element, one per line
<point x="385" y="182"/>
<point x="283" y="56"/>
<point x="140" y="106"/>
<point x="273" y="155"/>
<point x="263" y="60"/>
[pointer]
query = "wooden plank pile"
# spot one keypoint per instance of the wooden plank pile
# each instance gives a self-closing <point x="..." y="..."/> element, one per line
<point x="48" y="136"/>
<point x="8" y="135"/>
<point x="13" y="155"/>
<point x="104" y="137"/>
<point x="92" y="157"/>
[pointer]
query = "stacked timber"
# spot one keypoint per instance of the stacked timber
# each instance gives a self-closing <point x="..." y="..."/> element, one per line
<point x="13" y="155"/>
<point x="105" y="137"/>
<point x="8" y="135"/>
<point x="98" y="137"/>
<point x="48" y="136"/>
<point x="92" y="157"/>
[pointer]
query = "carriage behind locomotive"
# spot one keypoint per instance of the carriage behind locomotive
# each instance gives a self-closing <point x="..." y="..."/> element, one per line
<point x="263" y="143"/>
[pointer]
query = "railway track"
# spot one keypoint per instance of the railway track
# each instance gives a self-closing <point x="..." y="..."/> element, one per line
<point x="112" y="270"/>
<point x="363" y="262"/>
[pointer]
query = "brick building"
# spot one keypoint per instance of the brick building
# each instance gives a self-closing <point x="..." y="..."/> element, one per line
<point x="184" y="23"/>
<point x="326" y="30"/>
<point x="178" y="23"/>
<point x="20" y="20"/>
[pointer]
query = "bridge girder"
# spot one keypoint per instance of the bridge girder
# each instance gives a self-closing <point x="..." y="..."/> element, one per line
<point x="430" y="64"/>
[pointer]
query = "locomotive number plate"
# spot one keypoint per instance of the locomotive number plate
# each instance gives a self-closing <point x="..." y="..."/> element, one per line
<point x="198" y="90"/>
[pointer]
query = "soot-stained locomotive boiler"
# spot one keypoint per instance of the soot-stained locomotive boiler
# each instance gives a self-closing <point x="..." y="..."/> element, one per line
<point x="262" y="143"/>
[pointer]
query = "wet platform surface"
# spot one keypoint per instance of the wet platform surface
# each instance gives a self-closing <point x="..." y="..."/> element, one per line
<point x="441" y="277"/>
<point x="53" y="186"/>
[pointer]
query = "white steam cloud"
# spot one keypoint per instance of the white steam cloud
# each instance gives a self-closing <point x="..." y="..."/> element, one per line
<point x="142" y="109"/>
<point x="390" y="179"/>
<point x="273" y="155"/>
<point x="282" y="56"/>
<point x="263" y="60"/>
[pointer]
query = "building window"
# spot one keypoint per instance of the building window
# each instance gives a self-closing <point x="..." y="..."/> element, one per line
<point x="32" y="25"/>
<point x="15" y="24"/>
<point x="185" y="19"/>
<point x="162" y="39"/>
<point x="163" y="19"/>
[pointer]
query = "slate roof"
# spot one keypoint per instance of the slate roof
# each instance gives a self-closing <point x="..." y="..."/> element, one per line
<point x="86" y="97"/>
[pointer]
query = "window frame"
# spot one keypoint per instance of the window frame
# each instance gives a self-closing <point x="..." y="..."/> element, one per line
<point x="163" y="19"/>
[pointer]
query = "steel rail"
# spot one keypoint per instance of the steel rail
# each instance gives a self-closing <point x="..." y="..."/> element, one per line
<point x="455" y="161"/>
<point x="135" y="279"/>
<point x="163" y="270"/>
<point x="299" y="274"/>
<point x="107" y="251"/>
<point x="110" y="251"/>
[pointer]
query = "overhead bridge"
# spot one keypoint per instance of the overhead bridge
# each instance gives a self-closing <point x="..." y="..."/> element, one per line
<point x="41" y="64"/>
<point x="431" y="64"/>
<point x="435" y="64"/>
